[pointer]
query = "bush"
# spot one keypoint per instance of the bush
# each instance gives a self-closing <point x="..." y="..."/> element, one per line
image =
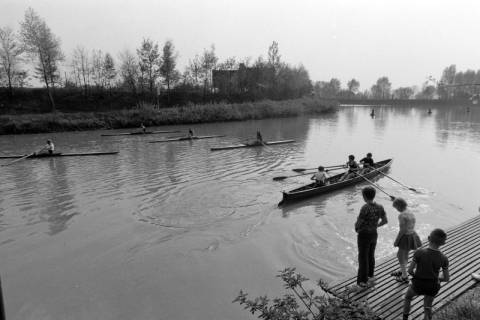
<point x="467" y="307"/>
<point x="305" y="304"/>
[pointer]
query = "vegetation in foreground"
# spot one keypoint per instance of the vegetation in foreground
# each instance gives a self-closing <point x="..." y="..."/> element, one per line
<point x="303" y="304"/>
<point x="151" y="116"/>
<point x="467" y="307"/>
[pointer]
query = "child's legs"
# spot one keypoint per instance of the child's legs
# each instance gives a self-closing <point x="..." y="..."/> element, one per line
<point x="427" y="306"/>
<point x="409" y="295"/>
<point x="371" y="256"/>
<point x="402" y="256"/>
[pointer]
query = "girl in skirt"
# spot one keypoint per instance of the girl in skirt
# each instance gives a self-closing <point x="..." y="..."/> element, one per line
<point x="407" y="239"/>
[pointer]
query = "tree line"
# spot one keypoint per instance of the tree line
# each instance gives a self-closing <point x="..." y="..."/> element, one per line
<point x="453" y="84"/>
<point x="147" y="73"/>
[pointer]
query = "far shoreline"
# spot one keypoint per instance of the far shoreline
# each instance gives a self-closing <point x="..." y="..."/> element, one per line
<point x="151" y="116"/>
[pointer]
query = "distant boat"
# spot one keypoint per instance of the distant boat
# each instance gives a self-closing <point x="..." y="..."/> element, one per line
<point x="58" y="154"/>
<point x="251" y="145"/>
<point x="186" y="138"/>
<point x="135" y="133"/>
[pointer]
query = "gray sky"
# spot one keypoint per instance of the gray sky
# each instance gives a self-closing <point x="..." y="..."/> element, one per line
<point x="405" y="40"/>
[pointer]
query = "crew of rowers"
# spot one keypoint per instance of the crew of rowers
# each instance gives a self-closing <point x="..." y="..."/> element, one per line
<point x="321" y="177"/>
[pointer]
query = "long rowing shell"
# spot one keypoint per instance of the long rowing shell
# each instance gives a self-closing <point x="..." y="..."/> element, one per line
<point x="58" y="154"/>
<point x="186" y="138"/>
<point x="135" y="133"/>
<point x="256" y="144"/>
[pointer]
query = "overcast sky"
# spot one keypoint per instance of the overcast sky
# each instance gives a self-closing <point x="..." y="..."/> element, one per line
<point x="406" y="40"/>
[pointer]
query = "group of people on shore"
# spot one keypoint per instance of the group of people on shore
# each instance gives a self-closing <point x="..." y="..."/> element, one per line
<point x="426" y="264"/>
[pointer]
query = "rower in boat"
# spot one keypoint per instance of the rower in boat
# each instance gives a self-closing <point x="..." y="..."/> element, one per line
<point x="372" y="113"/>
<point x="353" y="168"/>
<point x="320" y="177"/>
<point x="429" y="111"/>
<point x="259" y="137"/>
<point x="144" y="129"/>
<point x="48" y="148"/>
<point x="367" y="164"/>
<point x="190" y="133"/>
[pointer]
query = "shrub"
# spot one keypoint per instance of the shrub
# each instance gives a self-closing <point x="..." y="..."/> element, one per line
<point x="305" y="304"/>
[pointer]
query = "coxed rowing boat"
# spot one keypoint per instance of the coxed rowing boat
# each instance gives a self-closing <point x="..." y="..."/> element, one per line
<point x="135" y="133"/>
<point x="186" y="138"/>
<point x="59" y="154"/>
<point x="251" y="145"/>
<point x="333" y="183"/>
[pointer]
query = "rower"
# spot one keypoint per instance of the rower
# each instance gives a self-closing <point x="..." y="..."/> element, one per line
<point x="372" y="113"/>
<point x="48" y="148"/>
<point x="144" y="129"/>
<point x="259" y="137"/>
<point x="367" y="163"/>
<point x="352" y="166"/>
<point x="190" y="133"/>
<point x="320" y="177"/>
<point x="429" y="111"/>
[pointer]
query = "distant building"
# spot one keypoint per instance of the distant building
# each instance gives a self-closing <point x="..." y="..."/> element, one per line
<point x="243" y="80"/>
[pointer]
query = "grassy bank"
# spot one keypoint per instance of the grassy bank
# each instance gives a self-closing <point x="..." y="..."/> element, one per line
<point x="467" y="307"/>
<point x="150" y="116"/>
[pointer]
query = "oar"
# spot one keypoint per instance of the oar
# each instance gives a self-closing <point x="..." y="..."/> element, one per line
<point x="302" y="174"/>
<point x="375" y="185"/>
<point x="303" y="169"/>
<point x="16" y="160"/>
<point x="386" y="175"/>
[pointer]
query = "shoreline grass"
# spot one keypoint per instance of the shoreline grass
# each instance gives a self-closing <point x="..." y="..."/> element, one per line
<point x="465" y="307"/>
<point x="151" y="116"/>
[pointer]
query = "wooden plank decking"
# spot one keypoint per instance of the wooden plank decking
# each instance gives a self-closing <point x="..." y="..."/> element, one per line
<point x="386" y="298"/>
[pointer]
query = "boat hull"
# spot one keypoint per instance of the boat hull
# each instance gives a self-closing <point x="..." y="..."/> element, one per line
<point x="238" y="146"/>
<point x="58" y="154"/>
<point x="186" y="138"/>
<point x="135" y="133"/>
<point x="311" y="190"/>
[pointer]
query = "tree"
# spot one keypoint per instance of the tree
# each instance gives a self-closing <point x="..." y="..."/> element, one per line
<point x="81" y="66"/>
<point x="208" y="61"/>
<point x="10" y="58"/>
<point x="109" y="71"/>
<point x="195" y="70"/>
<point x="273" y="55"/>
<point x="169" y="63"/>
<point x="129" y="70"/>
<point x="381" y="90"/>
<point x="353" y="86"/>
<point x="448" y="78"/>
<point x="149" y="63"/>
<point x="403" y="93"/>
<point x="44" y="46"/>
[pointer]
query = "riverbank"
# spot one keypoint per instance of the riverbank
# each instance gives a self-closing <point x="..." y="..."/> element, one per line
<point x="151" y="116"/>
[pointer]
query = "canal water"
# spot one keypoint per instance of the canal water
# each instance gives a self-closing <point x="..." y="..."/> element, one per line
<point x="175" y="231"/>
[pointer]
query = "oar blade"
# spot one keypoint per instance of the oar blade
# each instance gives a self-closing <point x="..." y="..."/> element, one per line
<point x="279" y="178"/>
<point x="299" y="170"/>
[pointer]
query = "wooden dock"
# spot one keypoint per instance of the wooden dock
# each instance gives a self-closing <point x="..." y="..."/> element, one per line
<point x="386" y="297"/>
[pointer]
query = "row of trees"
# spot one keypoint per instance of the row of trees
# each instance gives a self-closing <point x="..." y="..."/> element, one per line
<point x="145" y="72"/>
<point x="452" y="85"/>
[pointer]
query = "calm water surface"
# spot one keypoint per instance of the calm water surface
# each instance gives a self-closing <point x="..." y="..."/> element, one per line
<point x="174" y="231"/>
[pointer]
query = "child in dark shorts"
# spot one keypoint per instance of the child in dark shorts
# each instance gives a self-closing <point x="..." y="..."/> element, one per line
<point x="407" y="239"/>
<point x="426" y="279"/>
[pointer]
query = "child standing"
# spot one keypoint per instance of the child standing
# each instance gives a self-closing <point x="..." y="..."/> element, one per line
<point x="407" y="239"/>
<point x="425" y="269"/>
<point x="371" y="216"/>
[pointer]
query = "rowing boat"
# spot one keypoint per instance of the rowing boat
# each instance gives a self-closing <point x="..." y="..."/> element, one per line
<point x="186" y="138"/>
<point x="135" y="133"/>
<point x="58" y="154"/>
<point x="251" y="145"/>
<point x="333" y="183"/>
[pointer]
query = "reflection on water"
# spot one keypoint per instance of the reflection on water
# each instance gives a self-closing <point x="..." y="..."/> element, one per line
<point x="170" y="221"/>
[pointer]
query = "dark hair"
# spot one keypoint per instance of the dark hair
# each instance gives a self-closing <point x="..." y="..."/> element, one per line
<point x="321" y="168"/>
<point x="369" y="154"/>
<point x="351" y="157"/>
<point x="368" y="193"/>
<point x="438" y="237"/>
